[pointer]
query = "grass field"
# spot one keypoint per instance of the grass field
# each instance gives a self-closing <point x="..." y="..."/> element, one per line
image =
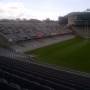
<point x="74" y="54"/>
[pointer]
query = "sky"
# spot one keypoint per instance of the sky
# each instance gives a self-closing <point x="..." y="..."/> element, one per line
<point x="40" y="9"/>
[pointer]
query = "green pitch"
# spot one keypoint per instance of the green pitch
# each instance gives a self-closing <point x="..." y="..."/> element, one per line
<point x="74" y="54"/>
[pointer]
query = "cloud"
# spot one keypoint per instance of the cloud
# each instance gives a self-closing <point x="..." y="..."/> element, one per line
<point x="13" y="10"/>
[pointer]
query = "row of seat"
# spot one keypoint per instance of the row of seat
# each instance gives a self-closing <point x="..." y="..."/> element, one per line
<point x="5" y="85"/>
<point x="25" y="30"/>
<point x="58" y="80"/>
<point x="21" y="80"/>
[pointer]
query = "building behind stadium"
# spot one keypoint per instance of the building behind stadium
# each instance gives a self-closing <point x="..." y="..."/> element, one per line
<point x="79" y="22"/>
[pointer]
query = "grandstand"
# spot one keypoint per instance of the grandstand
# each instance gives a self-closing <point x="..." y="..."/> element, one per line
<point x="25" y="74"/>
<point x="16" y="31"/>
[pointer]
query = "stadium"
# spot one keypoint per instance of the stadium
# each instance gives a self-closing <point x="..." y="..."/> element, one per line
<point x="52" y="42"/>
<point x="45" y="55"/>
